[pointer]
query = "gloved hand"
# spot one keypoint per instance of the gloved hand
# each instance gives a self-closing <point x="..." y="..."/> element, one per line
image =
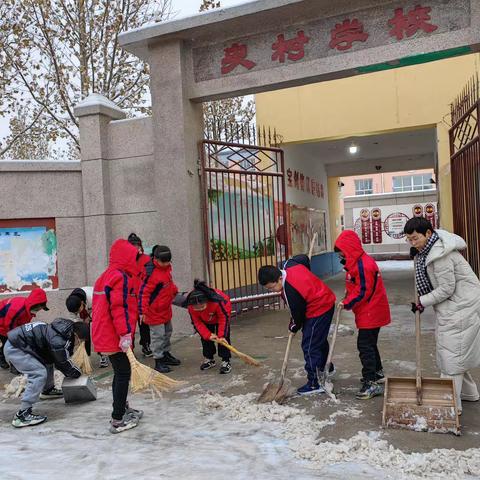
<point x="413" y="252"/>
<point x="125" y="342"/>
<point x="417" y="307"/>
<point x="293" y="327"/>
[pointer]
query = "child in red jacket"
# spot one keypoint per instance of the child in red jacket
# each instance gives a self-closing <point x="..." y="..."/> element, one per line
<point x="311" y="305"/>
<point x="367" y="298"/>
<point x="144" y="329"/>
<point x="210" y="312"/>
<point x="18" y="311"/>
<point x="155" y="306"/>
<point x="114" y="317"/>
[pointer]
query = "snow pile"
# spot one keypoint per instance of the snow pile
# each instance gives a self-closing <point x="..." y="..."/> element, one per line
<point x="16" y="387"/>
<point x="302" y="432"/>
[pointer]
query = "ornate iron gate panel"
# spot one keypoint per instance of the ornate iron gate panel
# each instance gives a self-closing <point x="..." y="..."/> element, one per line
<point x="465" y="168"/>
<point x="245" y="215"/>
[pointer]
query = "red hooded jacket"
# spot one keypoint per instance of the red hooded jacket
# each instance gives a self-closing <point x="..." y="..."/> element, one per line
<point x="366" y="294"/>
<point x="156" y="294"/>
<point x="15" y="312"/>
<point x="114" y="309"/>
<point x="216" y="313"/>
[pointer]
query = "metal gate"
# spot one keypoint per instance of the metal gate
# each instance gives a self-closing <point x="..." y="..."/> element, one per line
<point x="245" y="215"/>
<point x="465" y="167"/>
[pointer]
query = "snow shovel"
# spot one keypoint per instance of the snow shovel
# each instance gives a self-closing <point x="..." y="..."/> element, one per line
<point x="420" y="404"/>
<point x="278" y="391"/>
<point x="323" y="379"/>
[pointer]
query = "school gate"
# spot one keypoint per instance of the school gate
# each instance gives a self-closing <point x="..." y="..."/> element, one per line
<point x="244" y="213"/>
<point x="465" y="164"/>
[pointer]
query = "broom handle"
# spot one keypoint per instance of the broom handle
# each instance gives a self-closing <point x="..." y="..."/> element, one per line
<point x="312" y="245"/>
<point x="417" y="344"/>
<point x="227" y="346"/>
<point x="332" y="343"/>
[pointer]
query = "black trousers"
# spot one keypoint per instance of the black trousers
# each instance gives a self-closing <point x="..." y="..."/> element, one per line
<point x="3" y="339"/>
<point x="369" y="354"/>
<point x="209" y="348"/>
<point x="144" y="334"/>
<point x="121" y="379"/>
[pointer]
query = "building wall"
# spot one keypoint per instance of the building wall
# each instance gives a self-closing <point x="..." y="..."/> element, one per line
<point x="389" y="199"/>
<point x="386" y="101"/>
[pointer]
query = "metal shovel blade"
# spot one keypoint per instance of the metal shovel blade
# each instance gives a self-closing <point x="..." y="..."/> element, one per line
<point x="269" y="392"/>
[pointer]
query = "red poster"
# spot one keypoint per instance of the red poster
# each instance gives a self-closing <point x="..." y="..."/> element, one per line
<point x="430" y="214"/>
<point x="417" y="211"/>
<point x="366" y="226"/>
<point x="377" y="225"/>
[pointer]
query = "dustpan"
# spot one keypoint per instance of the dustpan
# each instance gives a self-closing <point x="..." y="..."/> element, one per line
<point x="420" y="404"/>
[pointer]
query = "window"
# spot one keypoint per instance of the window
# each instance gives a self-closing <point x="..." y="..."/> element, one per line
<point x="410" y="183"/>
<point x="364" y="186"/>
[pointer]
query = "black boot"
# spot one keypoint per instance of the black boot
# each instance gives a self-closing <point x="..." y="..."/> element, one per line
<point x="161" y="367"/>
<point x="3" y="363"/>
<point x="169" y="359"/>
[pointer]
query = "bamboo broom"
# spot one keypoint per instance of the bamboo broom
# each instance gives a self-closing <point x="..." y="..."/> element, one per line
<point x="82" y="360"/>
<point x="243" y="356"/>
<point x="144" y="377"/>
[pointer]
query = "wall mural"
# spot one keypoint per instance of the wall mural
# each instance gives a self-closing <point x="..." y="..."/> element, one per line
<point x="28" y="255"/>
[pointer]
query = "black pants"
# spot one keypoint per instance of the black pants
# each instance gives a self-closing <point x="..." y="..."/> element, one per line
<point x="209" y="348"/>
<point x="3" y="339"/>
<point x="369" y="354"/>
<point x="121" y="379"/>
<point x="144" y="334"/>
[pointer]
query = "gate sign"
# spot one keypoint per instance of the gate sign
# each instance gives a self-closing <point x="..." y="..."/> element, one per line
<point x="326" y="37"/>
<point x="384" y="225"/>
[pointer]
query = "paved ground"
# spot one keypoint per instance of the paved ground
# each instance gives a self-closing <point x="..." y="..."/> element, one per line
<point x="178" y="440"/>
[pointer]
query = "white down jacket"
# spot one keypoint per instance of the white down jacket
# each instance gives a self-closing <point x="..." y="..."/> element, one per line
<point x="456" y="301"/>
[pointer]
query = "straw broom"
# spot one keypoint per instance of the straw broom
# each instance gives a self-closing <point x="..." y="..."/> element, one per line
<point x="243" y="356"/>
<point x="82" y="360"/>
<point x="144" y="377"/>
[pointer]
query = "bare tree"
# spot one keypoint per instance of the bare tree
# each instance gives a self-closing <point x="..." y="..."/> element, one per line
<point x="55" y="52"/>
<point x="220" y="114"/>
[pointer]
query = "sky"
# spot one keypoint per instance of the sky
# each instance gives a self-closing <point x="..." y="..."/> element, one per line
<point x="181" y="7"/>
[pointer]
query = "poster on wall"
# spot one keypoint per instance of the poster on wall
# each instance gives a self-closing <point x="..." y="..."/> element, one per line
<point x="28" y="255"/>
<point x="304" y="223"/>
<point x="384" y="225"/>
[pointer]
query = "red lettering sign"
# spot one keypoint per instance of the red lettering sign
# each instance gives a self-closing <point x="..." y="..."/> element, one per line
<point x="293" y="49"/>
<point x="409" y="24"/>
<point x="302" y="182"/>
<point x="344" y="34"/>
<point x="234" y="56"/>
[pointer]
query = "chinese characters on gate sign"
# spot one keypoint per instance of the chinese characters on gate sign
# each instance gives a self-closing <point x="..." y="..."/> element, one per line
<point x="342" y="37"/>
<point x="303" y="183"/>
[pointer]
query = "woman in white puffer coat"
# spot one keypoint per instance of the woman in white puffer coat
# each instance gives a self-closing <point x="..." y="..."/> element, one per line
<point x="446" y="282"/>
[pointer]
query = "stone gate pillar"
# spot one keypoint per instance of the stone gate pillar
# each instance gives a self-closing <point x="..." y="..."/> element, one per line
<point x="95" y="113"/>
<point x="177" y="129"/>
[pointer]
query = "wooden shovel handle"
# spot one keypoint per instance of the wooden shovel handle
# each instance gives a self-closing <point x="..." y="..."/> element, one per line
<point x="285" y="359"/>
<point x="417" y="343"/>
<point x="312" y="245"/>
<point x="334" y="338"/>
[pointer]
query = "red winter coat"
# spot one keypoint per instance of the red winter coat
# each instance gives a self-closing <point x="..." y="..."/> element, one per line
<point x="156" y="294"/>
<point x="141" y="263"/>
<point x="114" y="309"/>
<point x="366" y="294"/>
<point x="216" y="313"/>
<point x="15" y="312"/>
<point x="305" y="294"/>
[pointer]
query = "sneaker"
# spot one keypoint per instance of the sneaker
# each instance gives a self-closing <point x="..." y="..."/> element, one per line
<point x="4" y="364"/>
<point x="379" y="377"/>
<point x="225" y="368"/>
<point x="133" y="412"/>
<point x="146" y="352"/>
<point x="128" y="422"/>
<point x="207" y="364"/>
<point x="13" y="370"/>
<point x="161" y="367"/>
<point x="369" y="390"/>
<point x="51" y="394"/>
<point x="169" y="359"/>
<point x="309" y="388"/>
<point x="25" y="418"/>
<point x="104" y="361"/>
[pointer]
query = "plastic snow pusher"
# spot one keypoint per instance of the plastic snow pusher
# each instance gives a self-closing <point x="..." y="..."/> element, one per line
<point x="420" y="404"/>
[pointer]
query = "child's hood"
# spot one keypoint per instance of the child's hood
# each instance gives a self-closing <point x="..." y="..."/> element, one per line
<point x="350" y="245"/>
